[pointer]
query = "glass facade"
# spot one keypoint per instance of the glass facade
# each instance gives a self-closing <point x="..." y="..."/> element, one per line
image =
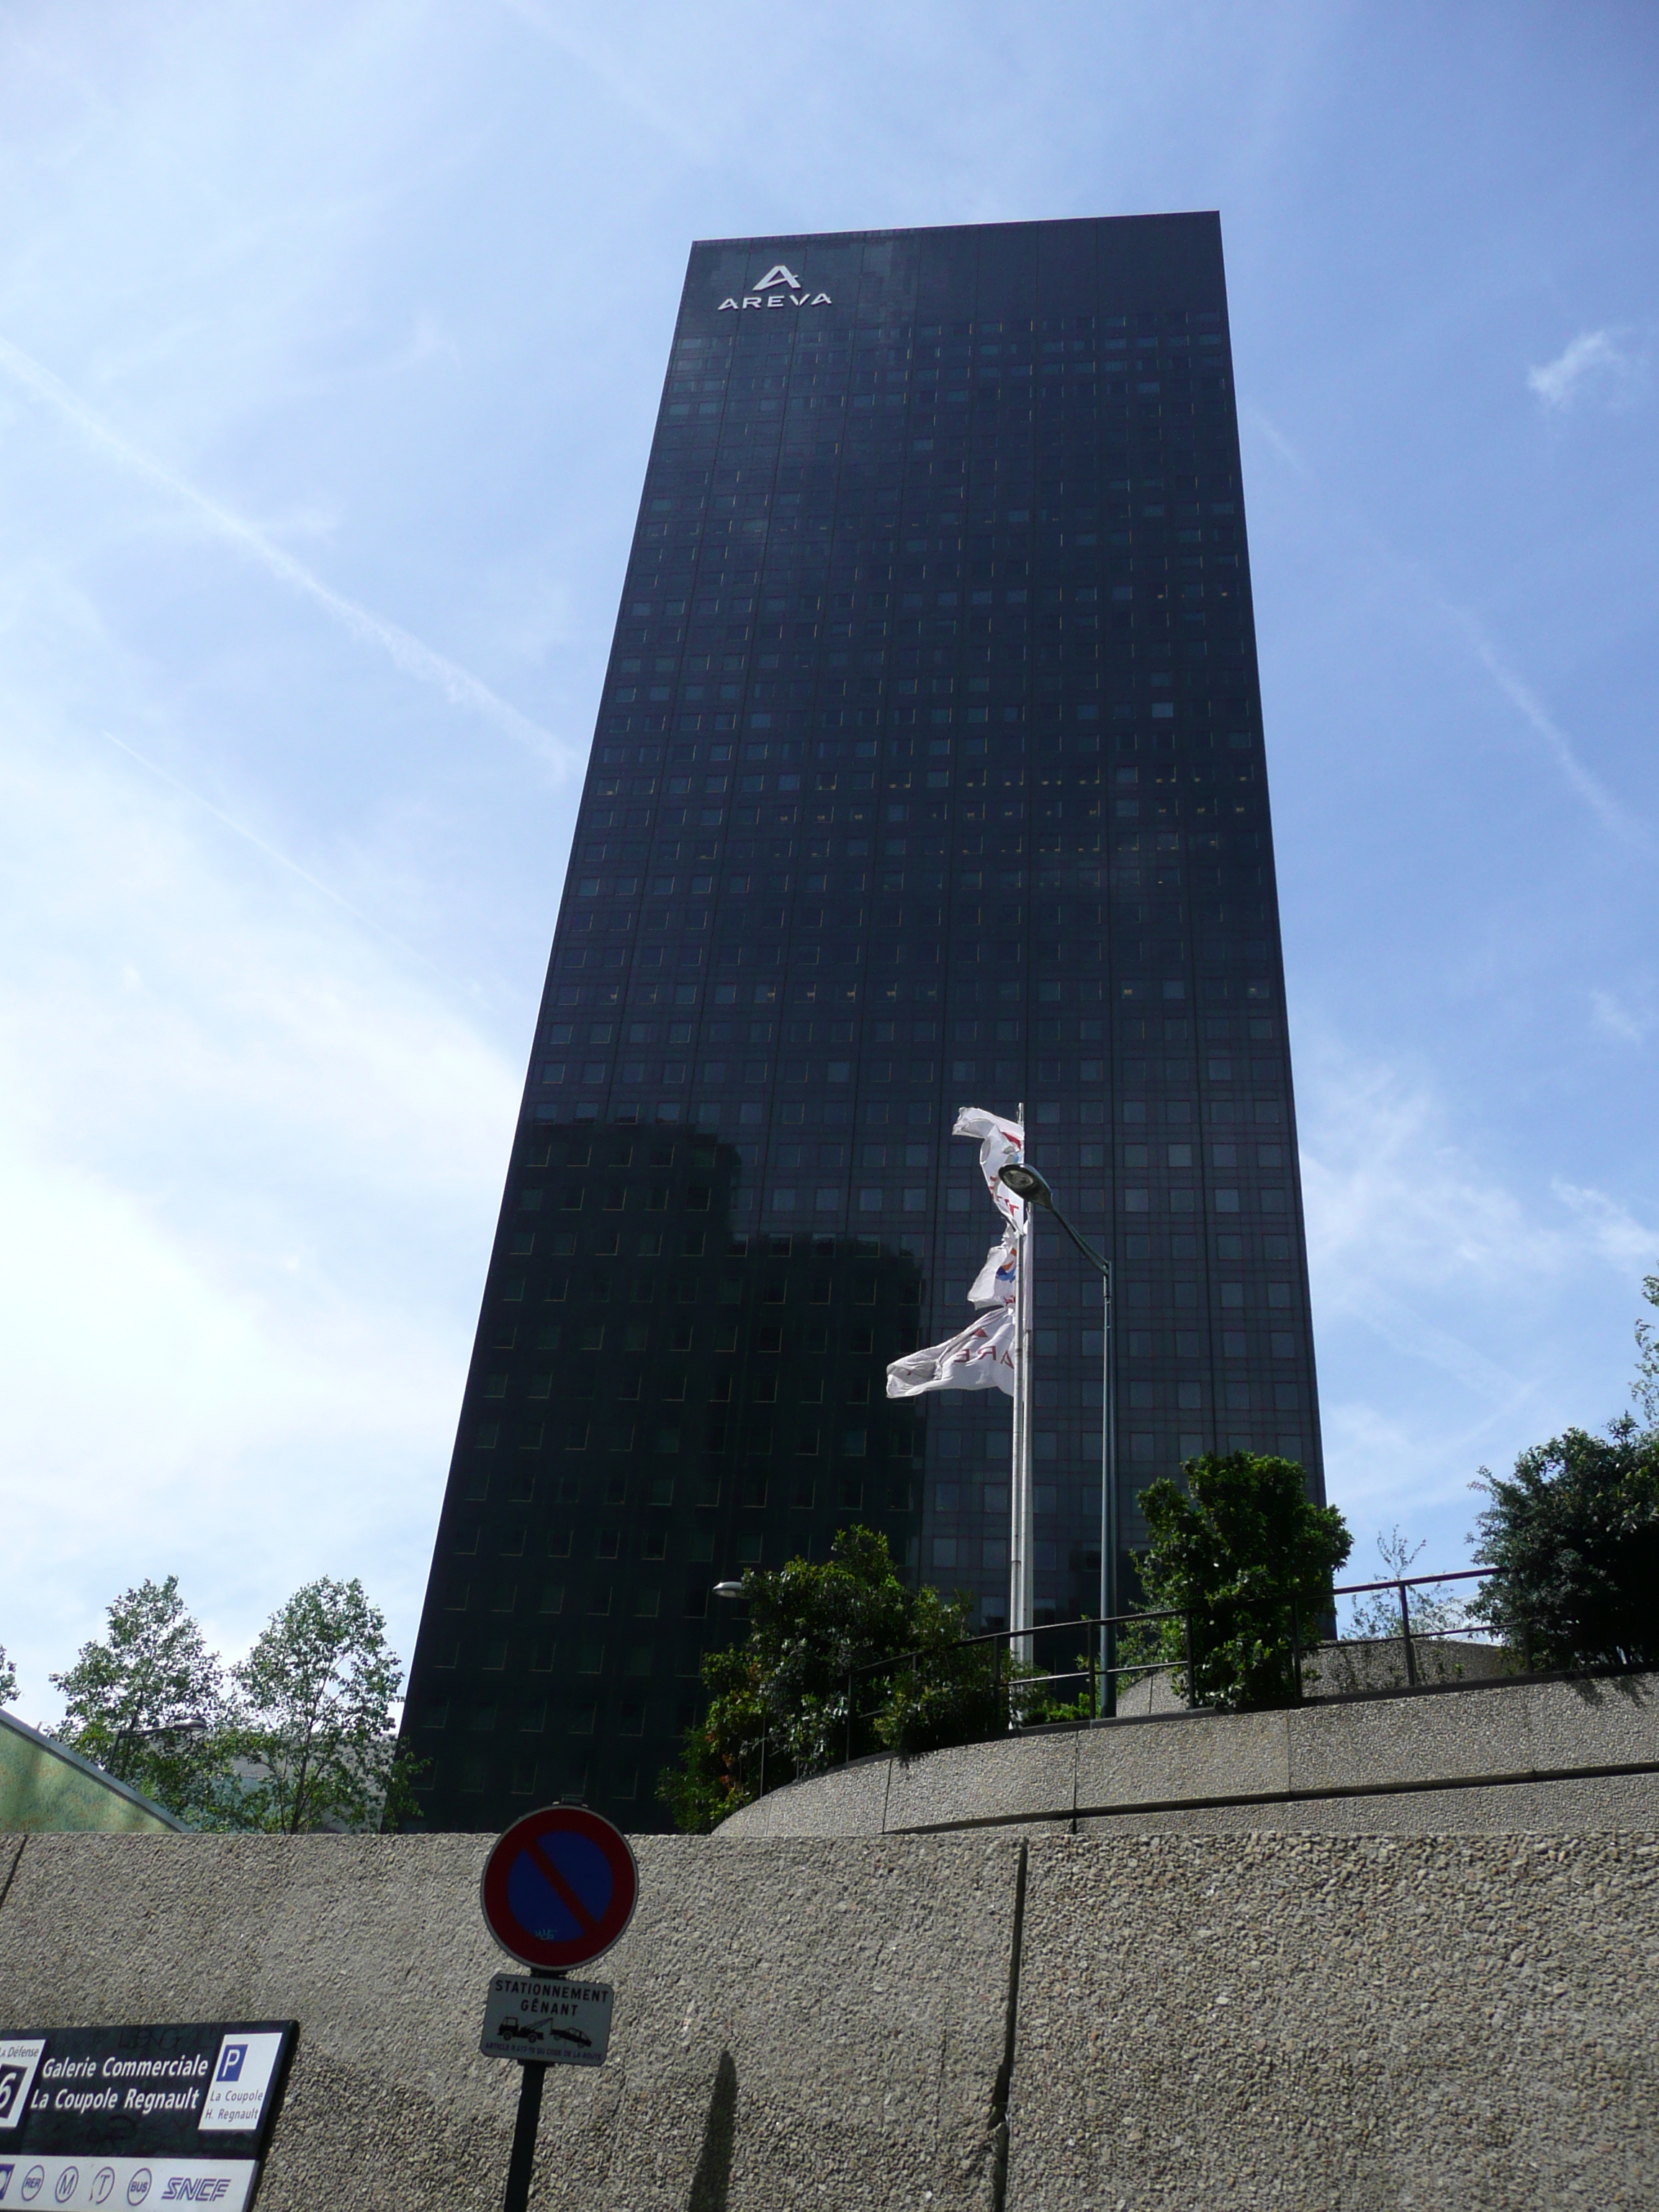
<point x="928" y="772"/>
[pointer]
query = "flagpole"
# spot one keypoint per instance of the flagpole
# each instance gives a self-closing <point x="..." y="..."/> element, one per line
<point x="1021" y="1559"/>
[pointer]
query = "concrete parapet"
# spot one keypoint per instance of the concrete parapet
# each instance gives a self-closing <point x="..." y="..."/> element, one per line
<point x="1359" y="1759"/>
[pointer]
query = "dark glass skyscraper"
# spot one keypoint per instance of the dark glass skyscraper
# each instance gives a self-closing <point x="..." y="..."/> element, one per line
<point x="928" y="772"/>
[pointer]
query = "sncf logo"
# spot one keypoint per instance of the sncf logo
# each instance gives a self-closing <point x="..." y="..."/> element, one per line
<point x="778" y="288"/>
<point x="208" y="2190"/>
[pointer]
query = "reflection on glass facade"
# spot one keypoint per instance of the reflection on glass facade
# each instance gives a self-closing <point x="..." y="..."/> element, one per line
<point x="928" y="772"/>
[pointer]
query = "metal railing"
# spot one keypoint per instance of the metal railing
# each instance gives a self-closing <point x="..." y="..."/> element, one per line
<point x="1022" y="1696"/>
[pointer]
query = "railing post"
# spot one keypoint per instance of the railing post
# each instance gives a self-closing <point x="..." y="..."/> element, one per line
<point x="1295" y="1650"/>
<point x="1192" y="1676"/>
<point x="1405" y="1632"/>
<point x="847" y="1761"/>
<point x="762" y="1791"/>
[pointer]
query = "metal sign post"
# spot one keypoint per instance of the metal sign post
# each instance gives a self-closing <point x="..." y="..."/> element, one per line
<point x="558" y="1888"/>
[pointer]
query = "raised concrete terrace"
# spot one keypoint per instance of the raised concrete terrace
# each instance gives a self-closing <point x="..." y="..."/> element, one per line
<point x="1487" y="1755"/>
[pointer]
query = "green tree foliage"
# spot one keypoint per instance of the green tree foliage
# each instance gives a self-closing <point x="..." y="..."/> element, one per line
<point x="8" y="1680"/>
<point x="1645" y="1391"/>
<point x="808" y="1626"/>
<point x="1573" y="1539"/>
<point x="312" y="1743"/>
<point x="146" y="1701"/>
<point x="1243" y="1556"/>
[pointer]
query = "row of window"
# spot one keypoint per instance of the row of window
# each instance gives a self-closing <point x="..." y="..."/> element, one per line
<point x="1046" y="1030"/>
<point x="526" y="1483"/>
<point x="719" y="1074"/>
<point x="993" y="362"/>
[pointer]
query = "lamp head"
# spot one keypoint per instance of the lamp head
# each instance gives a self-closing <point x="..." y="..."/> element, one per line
<point x="729" y="1589"/>
<point x="1025" y="1182"/>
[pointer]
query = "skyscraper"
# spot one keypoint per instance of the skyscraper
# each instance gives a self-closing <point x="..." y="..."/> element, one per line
<point x="928" y="772"/>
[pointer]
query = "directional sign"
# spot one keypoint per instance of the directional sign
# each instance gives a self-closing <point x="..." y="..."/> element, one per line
<point x="143" y="2115"/>
<point x="559" y="1887"/>
<point x="546" y="2020"/>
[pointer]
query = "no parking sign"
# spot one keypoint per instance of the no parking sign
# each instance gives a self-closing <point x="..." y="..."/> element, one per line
<point x="559" y="1887"/>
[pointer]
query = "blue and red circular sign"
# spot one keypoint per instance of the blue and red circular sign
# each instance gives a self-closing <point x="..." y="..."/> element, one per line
<point x="559" y="1887"/>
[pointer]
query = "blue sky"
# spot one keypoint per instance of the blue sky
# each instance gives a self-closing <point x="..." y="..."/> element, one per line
<point x="331" y="340"/>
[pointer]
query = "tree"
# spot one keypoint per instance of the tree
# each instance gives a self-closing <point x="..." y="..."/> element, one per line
<point x="1573" y="1540"/>
<point x="146" y="1702"/>
<point x="1369" y="1656"/>
<point x="8" y="1680"/>
<point x="313" y="1736"/>
<point x="1245" y="1560"/>
<point x="1645" y="1391"/>
<point x="809" y="1625"/>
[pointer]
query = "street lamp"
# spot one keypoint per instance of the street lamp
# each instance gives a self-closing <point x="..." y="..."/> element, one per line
<point x="729" y="1589"/>
<point x="1027" y="1184"/>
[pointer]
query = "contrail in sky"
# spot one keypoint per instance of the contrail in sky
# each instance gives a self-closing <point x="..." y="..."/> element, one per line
<point x="1595" y="794"/>
<point x="271" y="852"/>
<point x="407" y="653"/>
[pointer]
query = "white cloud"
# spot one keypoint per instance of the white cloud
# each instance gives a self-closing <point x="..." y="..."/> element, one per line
<point x="1610" y="1014"/>
<point x="1593" y="358"/>
<point x="249" y="1161"/>
<point x="1456" y="1318"/>
<point x="1609" y="1230"/>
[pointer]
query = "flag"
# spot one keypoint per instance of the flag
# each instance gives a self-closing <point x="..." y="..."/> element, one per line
<point x="982" y="1356"/>
<point x="1001" y="1141"/>
<point x="995" y="1283"/>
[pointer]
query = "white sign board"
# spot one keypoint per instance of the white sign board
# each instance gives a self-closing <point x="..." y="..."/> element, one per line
<point x="547" y="2020"/>
<point x="79" y="2184"/>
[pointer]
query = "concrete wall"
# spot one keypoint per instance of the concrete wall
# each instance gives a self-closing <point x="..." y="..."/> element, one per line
<point x="46" y="1788"/>
<point x="1320" y="2024"/>
<point x="795" y="2022"/>
<point x="1479" y="1755"/>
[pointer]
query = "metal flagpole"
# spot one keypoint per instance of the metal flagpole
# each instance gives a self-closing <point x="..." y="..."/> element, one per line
<point x="1109" y="1596"/>
<point x="1021" y="1557"/>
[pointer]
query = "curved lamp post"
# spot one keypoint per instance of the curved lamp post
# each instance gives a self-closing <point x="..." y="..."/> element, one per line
<point x="1027" y="1184"/>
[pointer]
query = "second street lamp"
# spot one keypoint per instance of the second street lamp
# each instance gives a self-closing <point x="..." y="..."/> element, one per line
<point x="1027" y="1184"/>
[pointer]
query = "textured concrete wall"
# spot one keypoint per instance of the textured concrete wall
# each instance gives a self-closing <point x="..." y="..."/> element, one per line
<point x="1340" y="2025"/>
<point x="819" y="2022"/>
<point x="1313" y="2024"/>
<point x="1580" y="1751"/>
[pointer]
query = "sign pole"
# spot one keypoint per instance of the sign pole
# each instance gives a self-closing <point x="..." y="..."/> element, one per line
<point x="557" y="1889"/>
<point x="523" y="2159"/>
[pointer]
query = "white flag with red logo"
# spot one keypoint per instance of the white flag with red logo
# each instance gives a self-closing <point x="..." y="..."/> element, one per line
<point x="982" y="1356"/>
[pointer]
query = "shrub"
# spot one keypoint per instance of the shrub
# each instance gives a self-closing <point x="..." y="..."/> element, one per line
<point x="1573" y="1538"/>
<point x="1243" y="1556"/>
